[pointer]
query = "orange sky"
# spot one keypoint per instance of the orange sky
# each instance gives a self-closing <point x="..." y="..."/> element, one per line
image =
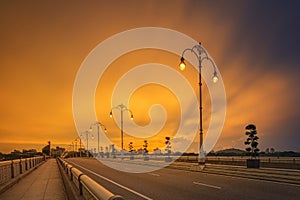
<point x="44" y="43"/>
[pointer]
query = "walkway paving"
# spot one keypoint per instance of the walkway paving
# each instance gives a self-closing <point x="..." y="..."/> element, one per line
<point x="43" y="183"/>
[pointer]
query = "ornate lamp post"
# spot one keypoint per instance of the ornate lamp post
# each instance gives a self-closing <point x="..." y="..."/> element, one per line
<point x="78" y="138"/>
<point x="122" y="108"/>
<point x="98" y="124"/>
<point x="201" y="55"/>
<point x="87" y="132"/>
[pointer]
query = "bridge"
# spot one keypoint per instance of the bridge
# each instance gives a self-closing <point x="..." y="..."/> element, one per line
<point x="87" y="178"/>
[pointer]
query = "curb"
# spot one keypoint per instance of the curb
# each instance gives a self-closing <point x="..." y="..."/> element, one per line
<point x="70" y="189"/>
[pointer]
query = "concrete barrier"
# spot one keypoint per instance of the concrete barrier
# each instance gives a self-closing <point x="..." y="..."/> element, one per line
<point x="11" y="171"/>
<point x="86" y="187"/>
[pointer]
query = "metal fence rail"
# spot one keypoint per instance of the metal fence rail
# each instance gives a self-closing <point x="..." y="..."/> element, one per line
<point x="14" y="168"/>
<point x="87" y="187"/>
<point x="269" y="162"/>
<point x="287" y="160"/>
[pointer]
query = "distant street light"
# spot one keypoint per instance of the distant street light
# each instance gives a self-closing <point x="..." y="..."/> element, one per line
<point x="73" y="148"/>
<point x="98" y="124"/>
<point x="201" y="55"/>
<point x="78" y="138"/>
<point x="122" y="108"/>
<point x="87" y="132"/>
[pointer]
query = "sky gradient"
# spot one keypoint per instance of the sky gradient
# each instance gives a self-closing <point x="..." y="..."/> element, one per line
<point x="255" y="45"/>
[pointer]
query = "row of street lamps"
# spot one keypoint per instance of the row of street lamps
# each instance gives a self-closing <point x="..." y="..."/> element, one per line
<point x="120" y="107"/>
<point x="98" y="124"/>
<point x="201" y="55"/>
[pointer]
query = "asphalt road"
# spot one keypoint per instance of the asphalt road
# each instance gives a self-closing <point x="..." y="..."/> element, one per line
<point x="176" y="184"/>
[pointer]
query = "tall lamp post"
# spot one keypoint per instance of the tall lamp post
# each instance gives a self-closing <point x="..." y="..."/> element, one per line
<point x="201" y="55"/>
<point x="78" y="138"/>
<point x="122" y="108"/>
<point x="98" y="124"/>
<point x="73" y="148"/>
<point x="87" y="132"/>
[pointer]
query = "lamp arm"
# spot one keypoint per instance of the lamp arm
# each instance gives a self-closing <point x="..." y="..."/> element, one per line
<point x="211" y="61"/>
<point x="126" y="109"/>
<point x="192" y="51"/>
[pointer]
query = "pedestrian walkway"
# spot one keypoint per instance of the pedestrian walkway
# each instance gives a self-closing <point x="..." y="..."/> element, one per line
<point x="44" y="183"/>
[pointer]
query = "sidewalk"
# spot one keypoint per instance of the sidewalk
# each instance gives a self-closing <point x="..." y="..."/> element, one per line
<point x="43" y="183"/>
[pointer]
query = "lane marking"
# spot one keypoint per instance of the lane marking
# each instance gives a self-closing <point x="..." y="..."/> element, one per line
<point x="249" y="179"/>
<point x="203" y="184"/>
<point x="153" y="174"/>
<point x="261" y="180"/>
<point x="113" y="182"/>
<point x="252" y="179"/>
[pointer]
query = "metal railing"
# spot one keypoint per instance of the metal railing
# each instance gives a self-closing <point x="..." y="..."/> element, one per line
<point x="13" y="168"/>
<point x="287" y="160"/>
<point x="269" y="162"/>
<point x="87" y="187"/>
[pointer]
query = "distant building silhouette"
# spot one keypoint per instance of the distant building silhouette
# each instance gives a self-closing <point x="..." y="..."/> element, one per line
<point x="46" y="150"/>
<point x="16" y="153"/>
<point x="58" y="151"/>
<point x="29" y="152"/>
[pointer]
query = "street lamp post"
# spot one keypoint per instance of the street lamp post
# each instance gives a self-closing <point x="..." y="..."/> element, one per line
<point x="73" y="148"/>
<point x="87" y="132"/>
<point x="98" y="124"/>
<point x="122" y="108"/>
<point x="78" y="138"/>
<point x="201" y="55"/>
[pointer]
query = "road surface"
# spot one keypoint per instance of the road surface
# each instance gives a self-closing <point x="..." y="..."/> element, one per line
<point x="176" y="184"/>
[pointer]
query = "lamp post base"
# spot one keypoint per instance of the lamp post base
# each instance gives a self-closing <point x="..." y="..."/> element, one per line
<point x="201" y="161"/>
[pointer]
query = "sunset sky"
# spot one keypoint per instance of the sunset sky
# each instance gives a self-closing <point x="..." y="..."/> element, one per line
<point x="255" y="45"/>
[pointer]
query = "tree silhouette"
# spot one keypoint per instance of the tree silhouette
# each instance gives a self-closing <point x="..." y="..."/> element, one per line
<point x="267" y="151"/>
<point x="130" y="146"/>
<point x="145" y="147"/>
<point x="107" y="151"/>
<point x="131" y="150"/>
<point x="251" y="132"/>
<point x="168" y="149"/>
<point x="168" y="145"/>
<point x="146" y="150"/>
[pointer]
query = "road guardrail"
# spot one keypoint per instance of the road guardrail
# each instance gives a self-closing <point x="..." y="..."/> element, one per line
<point x="87" y="187"/>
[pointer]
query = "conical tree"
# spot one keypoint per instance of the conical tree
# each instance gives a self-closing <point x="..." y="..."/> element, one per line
<point x="168" y="146"/>
<point x="145" y="147"/>
<point x="251" y="141"/>
<point x="131" y="150"/>
<point x="146" y="150"/>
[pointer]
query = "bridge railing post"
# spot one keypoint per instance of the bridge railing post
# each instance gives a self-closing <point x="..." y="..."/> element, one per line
<point x="20" y="165"/>
<point x="12" y="169"/>
<point x="26" y="164"/>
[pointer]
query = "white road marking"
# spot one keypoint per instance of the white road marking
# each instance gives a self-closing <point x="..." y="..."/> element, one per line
<point x="113" y="182"/>
<point x="153" y="174"/>
<point x="203" y="184"/>
<point x="251" y="179"/>
<point x="268" y="181"/>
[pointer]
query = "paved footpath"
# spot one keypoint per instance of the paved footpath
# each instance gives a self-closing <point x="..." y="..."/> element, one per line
<point x="45" y="182"/>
